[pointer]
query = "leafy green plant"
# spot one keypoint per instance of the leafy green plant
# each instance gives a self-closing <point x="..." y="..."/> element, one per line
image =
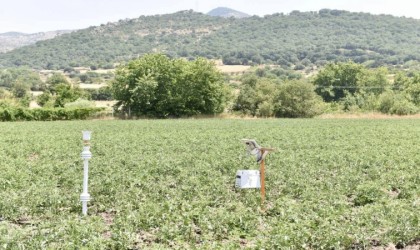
<point x="367" y="194"/>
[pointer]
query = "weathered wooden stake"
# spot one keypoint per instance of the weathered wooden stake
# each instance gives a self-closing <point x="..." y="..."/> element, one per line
<point x="262" y="179"/>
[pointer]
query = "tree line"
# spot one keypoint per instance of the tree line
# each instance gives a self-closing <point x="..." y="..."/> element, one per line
<point x="158" y="86"/>
<point x="338" y="87"/>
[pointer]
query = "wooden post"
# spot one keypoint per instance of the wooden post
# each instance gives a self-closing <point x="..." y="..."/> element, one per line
<point x="262" y="179"/>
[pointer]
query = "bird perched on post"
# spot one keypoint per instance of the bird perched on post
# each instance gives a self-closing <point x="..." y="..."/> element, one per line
<point x="255" y="149"/>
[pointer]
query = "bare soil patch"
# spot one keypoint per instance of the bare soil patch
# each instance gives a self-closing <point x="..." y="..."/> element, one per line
<point x="367" y="116"/>
<point x="91" y="86"/>
<point x="233" y="68"/>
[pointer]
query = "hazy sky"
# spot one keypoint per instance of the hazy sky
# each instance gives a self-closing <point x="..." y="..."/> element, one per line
<point x="31" y="16"/>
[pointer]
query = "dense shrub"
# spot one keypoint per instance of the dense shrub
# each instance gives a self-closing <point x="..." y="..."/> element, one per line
<point x="268" y="97"/>
<point x="297" y="99"/>
<point x="396" y="104"/>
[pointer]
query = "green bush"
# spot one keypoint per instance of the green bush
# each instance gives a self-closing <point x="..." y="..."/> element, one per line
<point x="268" y="97"/>
<point x="403" y="107"/>
<point x="396" y="104"/>
<point x="6" y="114"/>
<point x="297" y="99"/>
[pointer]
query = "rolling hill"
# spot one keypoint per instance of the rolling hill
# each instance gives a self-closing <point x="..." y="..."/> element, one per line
<point x="296" y="40"/>
<point x="13" y="40"/>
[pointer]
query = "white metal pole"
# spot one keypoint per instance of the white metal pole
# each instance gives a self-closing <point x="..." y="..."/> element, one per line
<point x="85" y="197"/>
<point x="86" y="155"/>
<point x="85" y="175"/>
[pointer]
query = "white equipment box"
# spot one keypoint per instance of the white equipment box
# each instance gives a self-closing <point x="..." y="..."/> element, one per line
<point x="248" y="179"/>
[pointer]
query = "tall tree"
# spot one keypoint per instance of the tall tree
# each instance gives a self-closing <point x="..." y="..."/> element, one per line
<point x="20" y="89"/>
<point x="297" y="98"/>
<point x="155" y="85"/>
<point x="413" y="89"/>
<point x="337" y="79"/>
<point x="65" y="94"/>
<point x="55" y="80"/>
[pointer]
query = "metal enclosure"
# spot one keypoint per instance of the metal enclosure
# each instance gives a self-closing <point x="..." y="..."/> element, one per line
<point x="248" y="179"/>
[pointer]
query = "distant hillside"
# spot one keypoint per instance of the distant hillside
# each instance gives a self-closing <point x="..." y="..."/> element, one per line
<point x="13" y="40"/>
<point x="297" y="40"/>
<point x="226" y="12"/>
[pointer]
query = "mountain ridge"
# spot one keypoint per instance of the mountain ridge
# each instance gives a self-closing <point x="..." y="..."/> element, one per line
<point x="227" y="12"/>
<point x="298" y="39"/>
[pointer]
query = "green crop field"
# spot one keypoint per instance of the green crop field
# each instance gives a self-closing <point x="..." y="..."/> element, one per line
<point x="169" y="184"/>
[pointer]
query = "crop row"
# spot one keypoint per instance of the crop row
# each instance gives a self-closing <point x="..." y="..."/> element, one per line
<point x="170" y="184"/>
